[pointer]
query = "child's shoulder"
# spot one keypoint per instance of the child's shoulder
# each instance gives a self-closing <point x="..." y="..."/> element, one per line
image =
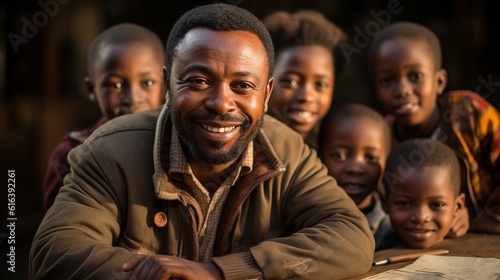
<point x="465" y="97"/>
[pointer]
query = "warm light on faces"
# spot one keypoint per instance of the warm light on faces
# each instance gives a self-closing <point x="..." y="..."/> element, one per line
<point x="219" y="89"/>
<point x="304" y="86"/>
<point x="422" y="206"/>
<point x="128" y="78"/>
<point x="354" y="152"/>
<point x="407" y="81"/>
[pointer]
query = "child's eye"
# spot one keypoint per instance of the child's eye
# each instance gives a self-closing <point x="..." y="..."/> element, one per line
<point x="339" y="156"/>
<point x="416" y="76"/>
<point x="322" y="85"/>
<point x="402" y="203"/>
<point x="149" y="83"/>
<point x="437" y="205"/>
<point x="385" y="81"/>
<point x="290" y="83"/>
<point x="372" y="158"/>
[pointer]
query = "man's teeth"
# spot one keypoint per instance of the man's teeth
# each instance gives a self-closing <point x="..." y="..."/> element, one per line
<point x="218" y="129"/>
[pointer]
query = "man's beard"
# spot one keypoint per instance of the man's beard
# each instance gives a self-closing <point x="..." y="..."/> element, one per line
<point x="215" y="156"/>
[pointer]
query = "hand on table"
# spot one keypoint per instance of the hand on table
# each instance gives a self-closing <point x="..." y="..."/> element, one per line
<point x="169" y="267"/>
<point x="460" y="223"/>
<point x="484" y="223"/>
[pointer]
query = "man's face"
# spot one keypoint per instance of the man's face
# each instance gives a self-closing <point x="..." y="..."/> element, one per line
<point x="219" y="89"/>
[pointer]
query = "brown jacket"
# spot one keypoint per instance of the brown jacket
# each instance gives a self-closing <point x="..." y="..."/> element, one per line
<point x="287" y="216"/>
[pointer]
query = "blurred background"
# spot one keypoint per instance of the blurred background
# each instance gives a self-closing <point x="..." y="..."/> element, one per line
<point x="43" y="54"/>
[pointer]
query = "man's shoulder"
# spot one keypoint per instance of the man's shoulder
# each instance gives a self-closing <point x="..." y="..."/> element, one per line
<point x="279" y="133"/>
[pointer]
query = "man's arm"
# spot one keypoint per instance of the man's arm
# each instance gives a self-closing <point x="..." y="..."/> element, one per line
<point x="76" y="237"/>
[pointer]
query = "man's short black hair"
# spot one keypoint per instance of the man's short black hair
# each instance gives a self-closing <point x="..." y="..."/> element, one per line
<point x="409" y="30"/>
<point x="119" y="34"/>
<point x="305" y="28"/>
<point x="218" y="17"/>
<point x="417" y="154"/>
<point x="353" y="110"/>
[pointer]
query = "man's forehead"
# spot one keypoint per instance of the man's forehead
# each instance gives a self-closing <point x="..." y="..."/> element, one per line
<point x="203" y="42"/>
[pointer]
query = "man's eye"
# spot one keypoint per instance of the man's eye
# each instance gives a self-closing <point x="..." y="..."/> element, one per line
<point x="116" y="85"/>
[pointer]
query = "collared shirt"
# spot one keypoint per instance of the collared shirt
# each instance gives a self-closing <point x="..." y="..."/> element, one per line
<point x="211" y="205"/>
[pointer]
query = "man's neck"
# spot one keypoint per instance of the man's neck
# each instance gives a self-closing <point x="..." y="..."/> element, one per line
<point x="209" y="173"/>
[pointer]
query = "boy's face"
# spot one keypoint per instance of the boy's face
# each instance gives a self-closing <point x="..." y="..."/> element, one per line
<point x="355" y="155"/>
<point x="407" y="81"/>
<point x="303" y="90"/>
<point x="422" y="206"/>
<point x="128" y="78"/>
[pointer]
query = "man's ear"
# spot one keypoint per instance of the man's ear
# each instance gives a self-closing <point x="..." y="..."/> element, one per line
<point x="166" y="81"/>
<point x="89" y="85"/>
<point x="166" y="86"/>
<point x="441" y="80"/>
<point x="269" y="90"/>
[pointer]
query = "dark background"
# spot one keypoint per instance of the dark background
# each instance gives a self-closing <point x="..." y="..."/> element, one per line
<point x="41" y="75"/>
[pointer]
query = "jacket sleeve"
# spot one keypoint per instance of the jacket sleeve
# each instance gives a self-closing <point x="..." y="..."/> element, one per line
<point x="326" y="236"/>
<point x="77" y="237"/>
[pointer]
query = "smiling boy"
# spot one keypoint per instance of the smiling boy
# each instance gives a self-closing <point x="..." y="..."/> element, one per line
<point x="422" y="188"/>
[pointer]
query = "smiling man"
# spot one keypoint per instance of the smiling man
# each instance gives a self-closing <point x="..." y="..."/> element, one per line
<point x="207" y="187"/>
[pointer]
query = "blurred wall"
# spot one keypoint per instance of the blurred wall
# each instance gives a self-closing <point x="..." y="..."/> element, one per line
<point x="43" y="63"/>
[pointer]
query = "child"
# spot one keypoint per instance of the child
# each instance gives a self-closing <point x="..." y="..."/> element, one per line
<point x="125" y="76"/>
<point x="422" y="186"/>
<point x="305" y="43"/>
<point x="405" y="59"/>
<point x="354" y="141"/>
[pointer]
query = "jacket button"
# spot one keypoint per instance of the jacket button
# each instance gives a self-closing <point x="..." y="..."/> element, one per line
<point x="160" y="219"/>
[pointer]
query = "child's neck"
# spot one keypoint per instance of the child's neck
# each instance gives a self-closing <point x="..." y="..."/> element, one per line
<point x="423" y="130"/>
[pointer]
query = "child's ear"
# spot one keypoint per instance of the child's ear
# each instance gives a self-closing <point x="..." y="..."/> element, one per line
<point x="384" y="202"/>
<point x="89" y="85"/>
<point x="441" y="80"/>
<point x="460" y="203"/>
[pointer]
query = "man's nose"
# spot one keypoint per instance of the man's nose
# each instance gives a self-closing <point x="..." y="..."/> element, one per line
<point x="221" y="100"/>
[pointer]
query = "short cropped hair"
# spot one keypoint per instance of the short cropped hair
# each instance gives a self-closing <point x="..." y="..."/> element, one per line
<point x="122" y="33"/>
<point x="353" y="110"/>
<point x="304" y="28"/>
<point x="409" y="30"/>
<point x="218" y="17"/>
<point x="419" y="153"/>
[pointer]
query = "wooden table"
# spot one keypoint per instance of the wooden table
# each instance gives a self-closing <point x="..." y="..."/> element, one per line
<point x="470" y="245"/>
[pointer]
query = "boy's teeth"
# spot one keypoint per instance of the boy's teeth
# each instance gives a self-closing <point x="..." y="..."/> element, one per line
<point x="304" y="114"/>
<point x="218" y="129"/>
